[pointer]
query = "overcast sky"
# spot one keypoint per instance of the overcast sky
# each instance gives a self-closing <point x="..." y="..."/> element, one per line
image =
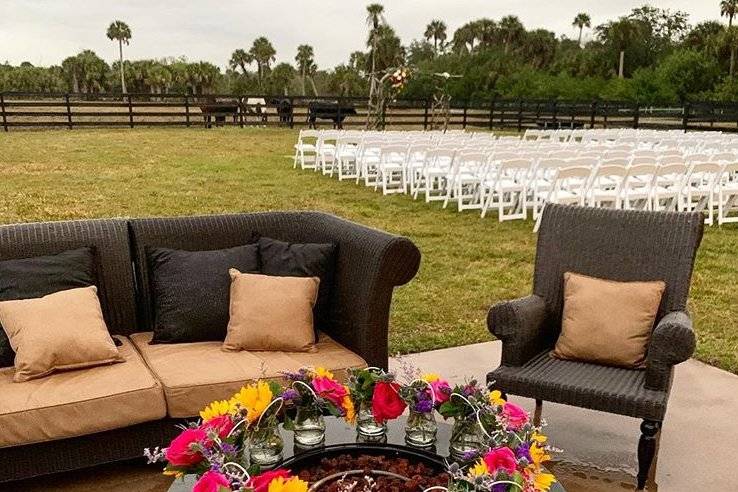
<point x="44" y="32"/>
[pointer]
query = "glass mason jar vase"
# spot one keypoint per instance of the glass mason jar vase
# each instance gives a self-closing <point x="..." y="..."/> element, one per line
<point x="421" y="429"/>
<point x="467" y="439"/>
<point x="266" y="444"/>
<point x="366" y="426"/>
<point x="309" y="426"/>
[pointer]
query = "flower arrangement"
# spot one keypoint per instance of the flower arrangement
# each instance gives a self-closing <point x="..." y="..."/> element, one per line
<point x="213" y="447"/>
<point x="398" y="79"/>
<point x="319" y="388"/>
<point x="376" y="394"/>
<point x="424" y="395"/>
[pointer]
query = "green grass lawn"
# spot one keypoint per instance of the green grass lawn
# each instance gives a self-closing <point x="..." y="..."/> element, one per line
<point x="468" y="263"/>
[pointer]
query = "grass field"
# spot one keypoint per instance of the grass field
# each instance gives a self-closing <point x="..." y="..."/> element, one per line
<point x="468" y="263"/>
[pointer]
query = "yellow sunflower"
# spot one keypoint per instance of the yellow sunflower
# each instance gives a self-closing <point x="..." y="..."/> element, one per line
<point x="254" y="399"/>
<point x="322" y="372"/>
<point x="495" y="398"/>
<point x="538" y="454"/>
<point x="479" y="469"/>
<point x="348" y="406"/>
<point x="215" y="409"/>
<point x="292" y="484"/>
<point x="543" y="481"/>
<point x="430" y="377"/>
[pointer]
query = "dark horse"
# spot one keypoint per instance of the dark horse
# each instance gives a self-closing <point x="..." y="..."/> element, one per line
<point x="329" y="110"/>
<point x="219" y="111"/>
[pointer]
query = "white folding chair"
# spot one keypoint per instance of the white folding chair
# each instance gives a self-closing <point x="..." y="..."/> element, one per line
<point x="728" y="194"/>
<point x="569" y="187"/>
<point x="391" y="169"/>
<point x="305" y="149"/>
<point x="700" y="188"/>
<point x="508" y="189"/>
<point x="465" y="179"/>
<point x="606" y="186"/>
<point x="668" y="187"/>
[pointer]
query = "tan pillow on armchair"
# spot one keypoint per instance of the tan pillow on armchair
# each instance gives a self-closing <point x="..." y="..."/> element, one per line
<point x="63" y="330"/>
<point x="607" y="322"/>
<point x="271" y="313"/>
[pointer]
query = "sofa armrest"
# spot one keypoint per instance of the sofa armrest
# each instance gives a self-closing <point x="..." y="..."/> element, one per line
<point x="369" y="265"/>
<point x="519" y="324"/>
<point x="672" y="342"/>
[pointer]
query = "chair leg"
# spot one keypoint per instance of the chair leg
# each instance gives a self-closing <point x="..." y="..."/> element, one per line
<point x="538" y="413"/>
<point x="646" y="449"/>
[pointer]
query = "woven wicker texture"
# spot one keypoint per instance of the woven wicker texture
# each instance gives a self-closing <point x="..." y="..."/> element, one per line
<point x="612" y="244"/>
<point x="109" y="238"/>
<point x="370" y="263"/>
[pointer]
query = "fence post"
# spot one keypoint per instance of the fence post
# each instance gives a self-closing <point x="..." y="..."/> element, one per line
<point x="291" y="114"/>
<point x="187" y="109"/>
<point x="604" y="115"/>
<point x="463" y="120"/>
<point x="425" y="114"/>
<point x="555" y="113"/>
<point x="685" y="116"/>
<point x="240" y="111"/>
<point x="636" y="115"/>
<point x="130" y="111"/>
<point x="592" y="115"/>
<point x="2" y="109"/>
<point x="492" y="113"/>
<point x="520" y="116"/>
<point x="69" y="111"/>
<point x="339" y="125"/>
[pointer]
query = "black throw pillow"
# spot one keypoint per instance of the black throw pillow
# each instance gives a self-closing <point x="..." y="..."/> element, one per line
<point x="191" y="291"/>
<point x="283" y="259"/>
<point x="29" y="278"/>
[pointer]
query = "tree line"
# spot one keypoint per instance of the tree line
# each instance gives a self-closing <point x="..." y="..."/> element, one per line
<point x="649" y="55"/>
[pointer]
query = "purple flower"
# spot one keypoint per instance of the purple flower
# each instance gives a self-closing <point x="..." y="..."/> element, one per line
<point x="424" y="406"/>
<point x="290" y="394"/>
<point x="499" y="487"/>
<point x="228" y="448"/>
<point x="523" y="451"/>
<point x="470" y="455"/>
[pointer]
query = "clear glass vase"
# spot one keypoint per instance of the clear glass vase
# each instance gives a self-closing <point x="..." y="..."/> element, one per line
<point x="421" y="429"/>
<point x="266" y="445"/>
<point x="467" y="439"/>
<point x="309" y="426"/>
<point x="366" y="425"/>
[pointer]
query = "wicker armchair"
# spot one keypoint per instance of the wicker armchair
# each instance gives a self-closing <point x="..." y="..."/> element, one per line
<point x="617" y="245"/>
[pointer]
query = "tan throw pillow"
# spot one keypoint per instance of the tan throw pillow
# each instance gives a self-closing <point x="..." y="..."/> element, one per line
<point x="63" y="330"/>
<point x="271" y="313"/>
<point x="607" y="322"/>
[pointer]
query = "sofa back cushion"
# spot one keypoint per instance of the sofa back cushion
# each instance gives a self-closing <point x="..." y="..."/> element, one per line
<point x="109" y="242"/>
<point x="191" y="291"/>
<point x="27" y="278"/>
<point x="210" y="232"/>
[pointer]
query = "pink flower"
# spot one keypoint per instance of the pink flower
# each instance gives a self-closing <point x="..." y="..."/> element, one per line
<point x="222" y="424"/>
<point x="260" y="483"/>
<point x="501" y="459"/>
<point x="515" y="416"/>
<point x="212" y="481"/>
<point x="386" y="401"/>
<point x="441" y="391"/>
<point x="329" y="389"/>
<point x="180" y="452"/>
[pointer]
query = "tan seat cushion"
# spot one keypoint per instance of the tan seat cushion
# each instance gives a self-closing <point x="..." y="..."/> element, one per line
<point x="607" y="322"/>
<point x="60" y="331"/>
<point x="79" y="402"/>
<point x="271" y="313"/>
<point x="195" y="374"/>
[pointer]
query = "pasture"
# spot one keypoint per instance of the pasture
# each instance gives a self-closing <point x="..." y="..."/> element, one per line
<point x="468" y="263"/>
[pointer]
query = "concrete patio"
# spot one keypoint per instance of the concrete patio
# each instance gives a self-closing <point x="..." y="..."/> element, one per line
<point x="599" y="450"/>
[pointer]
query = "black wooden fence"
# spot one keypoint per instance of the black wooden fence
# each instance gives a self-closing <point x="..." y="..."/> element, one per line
<point x="43" y="110"/>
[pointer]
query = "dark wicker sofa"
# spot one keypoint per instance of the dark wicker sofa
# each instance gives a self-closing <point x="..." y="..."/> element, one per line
<point x="369" y="264"/>
<point x="617" y="245"/>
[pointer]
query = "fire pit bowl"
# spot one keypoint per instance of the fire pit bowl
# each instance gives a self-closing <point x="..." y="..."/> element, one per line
<point x="361" y="467"/>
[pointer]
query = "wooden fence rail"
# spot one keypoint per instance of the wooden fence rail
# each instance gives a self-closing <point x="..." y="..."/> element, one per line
<point x="44" y="110"/>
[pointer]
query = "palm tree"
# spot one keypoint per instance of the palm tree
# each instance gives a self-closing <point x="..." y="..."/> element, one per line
<point x="305" y="63"/>
<point x="263" y="52"/>
<point x="120" y="31"/>
<point x="512" y="30"/>
<point x="240" y="59"/>
<point x="464" y="38"/>
<point x="728" y="8"/>
<point x="620" y="34"/>
<point x="374" y="18"/>
<point x="729" y="37"/>
<point x="581" y="21"/>
<point x="436" y="30"/>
